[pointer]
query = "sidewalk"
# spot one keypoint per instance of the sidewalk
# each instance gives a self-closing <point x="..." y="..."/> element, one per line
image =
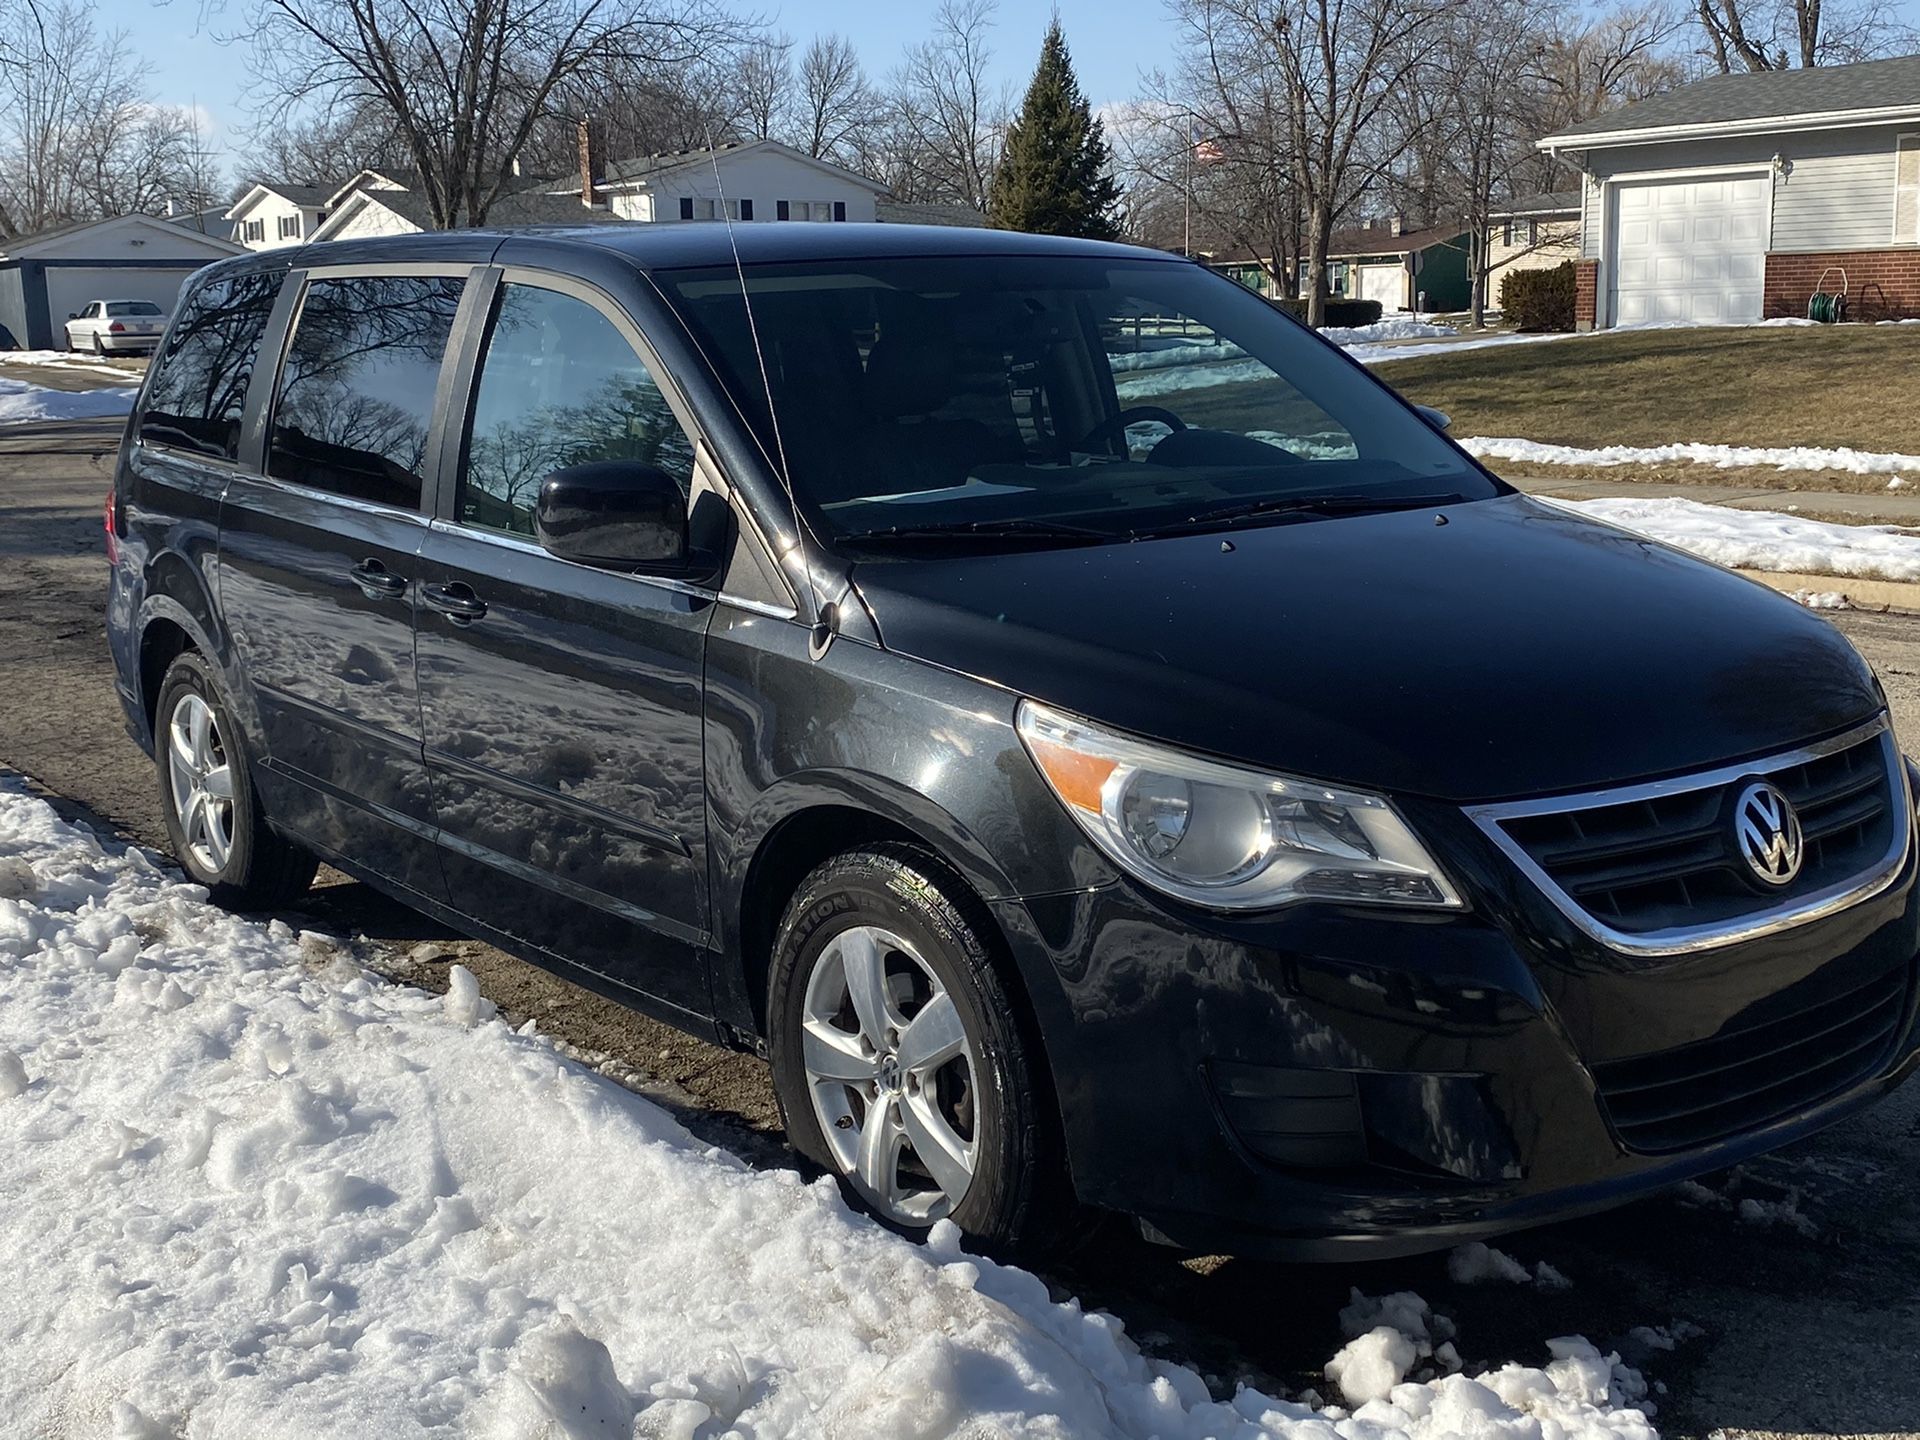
<point x="1879" y="507"/>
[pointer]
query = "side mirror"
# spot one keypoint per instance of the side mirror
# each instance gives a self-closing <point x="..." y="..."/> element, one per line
<point x="619" y="514"/>
<point x="73" y="314"/>
<point x="1438" y="419"/>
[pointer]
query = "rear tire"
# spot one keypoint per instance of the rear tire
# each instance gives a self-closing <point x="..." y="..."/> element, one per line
<point x="98" y="348"/>
<point x="213" y="813"/>
<point x="898" y="1058"/>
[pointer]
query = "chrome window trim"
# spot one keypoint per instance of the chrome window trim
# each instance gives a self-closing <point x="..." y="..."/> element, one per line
<point x="509" y="541"/>
<point x="330" y="497"/>
<point x="1767" y="920"/>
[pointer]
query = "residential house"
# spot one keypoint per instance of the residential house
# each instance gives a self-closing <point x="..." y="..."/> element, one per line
<point x="752" y="180"/>
<point x="1424" y="270"/>
<point x="278" y="213"/>
<point x="1735" y="197"/>
<point x="47" y="278"/>
<point x="1535" y="233"/>
<point x="361" y="211"/>
<point x="757" y="181"/>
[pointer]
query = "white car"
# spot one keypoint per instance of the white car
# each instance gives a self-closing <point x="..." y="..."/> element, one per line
<point x="109" y="327"/>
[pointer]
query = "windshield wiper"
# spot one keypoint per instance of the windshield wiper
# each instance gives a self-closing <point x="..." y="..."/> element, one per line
<point x="1336" y="504"/>
<point x="1012" y="526"/>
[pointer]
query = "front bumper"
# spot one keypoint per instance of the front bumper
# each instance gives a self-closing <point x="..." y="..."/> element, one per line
<point x="1332" y="1082"/>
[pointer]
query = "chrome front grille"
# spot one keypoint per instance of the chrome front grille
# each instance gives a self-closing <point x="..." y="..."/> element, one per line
<point x="1655" y="868"/>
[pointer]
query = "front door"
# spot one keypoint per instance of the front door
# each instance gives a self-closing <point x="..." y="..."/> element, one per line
<point x="562" y="703"/>
<point x="318" y="569"/>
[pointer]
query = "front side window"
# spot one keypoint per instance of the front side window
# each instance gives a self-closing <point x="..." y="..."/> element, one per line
<point x="355" y="401"/>
<point x="1006" y="394"/>
<point x="559" y="386"/>
<point x="199" y="386"/>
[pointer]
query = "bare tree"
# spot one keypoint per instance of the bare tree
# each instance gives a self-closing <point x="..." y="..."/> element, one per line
<point x="464" y="83"/>
<point x="1329" y="69"/>
<point x="837" y="104"/>
<point x="946" y="116"/>
<point x="79" y="137"/>
<point x="1779" y="34"/>
<point x="765" y="86"/>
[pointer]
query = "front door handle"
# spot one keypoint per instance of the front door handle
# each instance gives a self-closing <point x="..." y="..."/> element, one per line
<point x="377" y="582"/>
<point x="456" y="601"/>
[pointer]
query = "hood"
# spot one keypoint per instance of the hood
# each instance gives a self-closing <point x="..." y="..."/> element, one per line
<point x="1518" y="649"/>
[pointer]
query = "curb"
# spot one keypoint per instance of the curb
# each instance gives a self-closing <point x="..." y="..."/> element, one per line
<point x="1868" y="594"/>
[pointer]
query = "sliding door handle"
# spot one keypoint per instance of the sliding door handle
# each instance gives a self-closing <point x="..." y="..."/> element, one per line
<point x="377" y="582"/>
<point x="456" y="601"/>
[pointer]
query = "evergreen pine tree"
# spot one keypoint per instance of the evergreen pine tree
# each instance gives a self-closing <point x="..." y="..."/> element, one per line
<point x="1053" y="177"/>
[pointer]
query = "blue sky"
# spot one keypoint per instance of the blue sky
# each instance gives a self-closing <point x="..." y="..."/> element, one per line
<point x="1112" y="41"/>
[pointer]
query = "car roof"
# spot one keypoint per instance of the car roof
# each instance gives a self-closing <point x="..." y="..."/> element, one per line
<point x="696" y="244"/>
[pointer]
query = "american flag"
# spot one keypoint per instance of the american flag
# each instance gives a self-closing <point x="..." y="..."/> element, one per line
<point x="1208" y="151"/>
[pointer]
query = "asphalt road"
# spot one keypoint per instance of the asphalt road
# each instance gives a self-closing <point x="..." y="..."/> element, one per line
<point x="1804" y="1308"/>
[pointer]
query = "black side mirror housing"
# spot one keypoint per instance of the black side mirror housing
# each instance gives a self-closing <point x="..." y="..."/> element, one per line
<point x="616" y="514"/>
<point x="1438" y="419"/>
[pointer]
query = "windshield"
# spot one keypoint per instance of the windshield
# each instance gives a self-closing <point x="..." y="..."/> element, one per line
<point x="1053" y="399"/>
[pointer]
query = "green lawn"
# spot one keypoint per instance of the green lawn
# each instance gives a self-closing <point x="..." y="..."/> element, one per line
<point x="1851" y="385"/>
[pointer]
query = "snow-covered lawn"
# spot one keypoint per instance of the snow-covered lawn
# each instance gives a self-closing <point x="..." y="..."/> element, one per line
<point x="1721" y="457"/>
<point x="20" y="400"/>
<point x="70" y="360"/>
<point x="250" y="1190"/>
<point x="1764" y="539"/>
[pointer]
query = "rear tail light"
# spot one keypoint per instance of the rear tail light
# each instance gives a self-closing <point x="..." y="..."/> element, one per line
<point x="111" y="518"/>
<point x="116" y="328"/>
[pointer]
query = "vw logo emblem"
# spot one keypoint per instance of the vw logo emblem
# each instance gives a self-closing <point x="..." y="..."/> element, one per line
<point x="1768" y="833"/>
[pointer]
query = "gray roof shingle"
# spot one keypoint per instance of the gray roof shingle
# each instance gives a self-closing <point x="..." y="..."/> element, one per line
<point x="1765" y="95"/>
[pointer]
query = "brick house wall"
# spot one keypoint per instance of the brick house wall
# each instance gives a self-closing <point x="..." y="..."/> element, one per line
<point x="1586" y="293"/>
<point x="1881" y="284"/>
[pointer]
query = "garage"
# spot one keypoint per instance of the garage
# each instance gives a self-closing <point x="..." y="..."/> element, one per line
<point x="1385" y="283"/>
<point x="68" y="290"/>
<point x="1690" y="249"/>
<point x="48" y="276"/>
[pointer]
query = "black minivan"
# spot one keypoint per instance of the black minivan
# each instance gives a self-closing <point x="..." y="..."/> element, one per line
<point x="1105" y="748"/>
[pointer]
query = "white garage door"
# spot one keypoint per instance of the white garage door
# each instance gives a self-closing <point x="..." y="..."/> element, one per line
<point x="1689" y="249"/>
<point x="71" y="287"/>
<point x="1385" y="283"/>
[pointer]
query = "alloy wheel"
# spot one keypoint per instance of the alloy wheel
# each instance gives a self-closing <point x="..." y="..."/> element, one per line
<point x="201" y="782"/>
<point x="891" y="1073"/>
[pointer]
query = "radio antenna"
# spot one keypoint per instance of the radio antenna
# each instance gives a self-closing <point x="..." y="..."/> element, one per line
<point x="824" y="614"/>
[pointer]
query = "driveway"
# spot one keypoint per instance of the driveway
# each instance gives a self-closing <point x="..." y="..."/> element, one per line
<point x="1791" y="1318"/>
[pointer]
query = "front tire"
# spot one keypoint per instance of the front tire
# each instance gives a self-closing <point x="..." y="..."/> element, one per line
<point x="898" y="1058"/>
<point x="213" y="814"/>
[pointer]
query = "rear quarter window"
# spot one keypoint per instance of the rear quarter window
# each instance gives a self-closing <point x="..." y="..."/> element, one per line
<point x="199" y="387"/>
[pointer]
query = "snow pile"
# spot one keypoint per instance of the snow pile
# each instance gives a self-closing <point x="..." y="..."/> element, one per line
<point x="251" y="1190"/>
<point x="21" y="401"/>
<point x="1821" y="599"/>
<point x="1720" y="457"/>
<point x="70" y="360"/>
<point x="1163" y="355"/>
<point x="1764" y="539"/>
<point x="1400" y="327"/>
<point x="1478" y="1263"/>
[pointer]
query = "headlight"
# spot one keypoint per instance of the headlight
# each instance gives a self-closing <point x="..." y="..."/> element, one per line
<point x="1224" y="837"/>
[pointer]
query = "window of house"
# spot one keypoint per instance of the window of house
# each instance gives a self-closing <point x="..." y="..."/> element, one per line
<point x="355" y="401"/>
<point x="199" y="386"/>
<point x="1533" y="232"/>
<point x="840" y="210"/>
<point x="783" y="209"/>
<point x="686" y="207"/>
<point x="1906" y="189"/>
<point x="255" y="229"/>
<point x="1506" y="232"/>
<point x="559" y="386"/>
<point x="289" y="227"/>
